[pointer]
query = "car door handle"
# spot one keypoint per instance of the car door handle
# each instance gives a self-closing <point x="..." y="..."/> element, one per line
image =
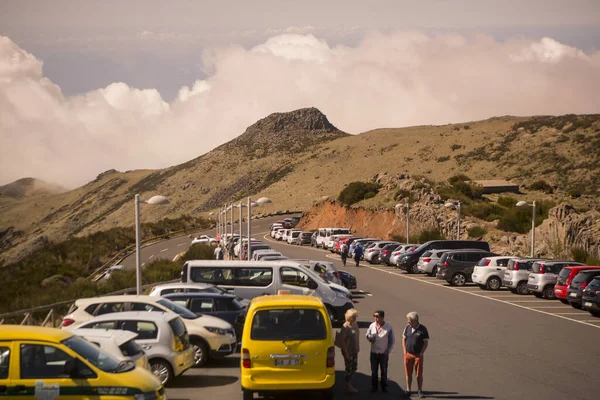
<point x="146" y="347"/>
<point x="498" y="269"/>
<point x="20" y="388"/>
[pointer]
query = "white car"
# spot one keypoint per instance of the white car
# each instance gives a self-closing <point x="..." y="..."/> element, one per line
<point x="260" y="254"/>
<point x="206" y="239"/>
<point x="489" y="272"/>
<point x="120" y="344"/>
<point x="211" y="337"/>
<point x="292" y="236"/>
<point x="399" y="251"/>
<point x="240" y="243"/>
<point x="163" y="337"/>
<point x="112" y="270"/>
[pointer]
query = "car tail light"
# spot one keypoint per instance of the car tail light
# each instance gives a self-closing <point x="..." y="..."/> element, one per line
<point x="331" y="357"/>
<point x="336" y="274"/>
<point x="486" y="262"/>
<point x="385" y="252"/>
<point x="246" y="358"/>
<point x="426" y="260"/>
<point x="542" y="269"/>
<point x="446" y="264"/>
<point x="395" y="253"/>
<point x="67" y="322"/>
<point x="583" y="285"/>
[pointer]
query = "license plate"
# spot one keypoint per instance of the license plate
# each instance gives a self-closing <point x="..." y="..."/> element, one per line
<point x="573" y="295"/>
<point x="287" y="362"/>
<point x="587" y="304"/>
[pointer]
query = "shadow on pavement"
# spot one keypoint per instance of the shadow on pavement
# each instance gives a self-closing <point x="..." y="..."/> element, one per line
<point x="451" y="395"/>
<point x="362" y="382"/>
<point x="202" y="381"/>
<point x="232" y="361"/>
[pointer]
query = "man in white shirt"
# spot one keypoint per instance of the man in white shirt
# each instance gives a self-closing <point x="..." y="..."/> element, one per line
<point x="381" y="336"/>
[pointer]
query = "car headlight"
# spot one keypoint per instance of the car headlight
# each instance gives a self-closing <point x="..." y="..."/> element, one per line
<point x="217" y="331"/>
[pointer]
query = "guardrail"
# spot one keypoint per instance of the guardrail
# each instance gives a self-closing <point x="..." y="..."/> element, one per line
<point x="54" y="310"/>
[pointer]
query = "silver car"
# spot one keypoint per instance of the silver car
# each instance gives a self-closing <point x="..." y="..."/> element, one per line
<point x="543" y="277"/>
<point x="163" y="336"/>
<point x="427" y="263"/>
<point x="118" y="343"/>
<point x="399" y="251"/>
<point x="516" y="274"/>
<point x="372" y="251"/>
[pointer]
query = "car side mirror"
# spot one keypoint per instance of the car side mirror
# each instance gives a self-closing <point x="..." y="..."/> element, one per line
<point x="312" y="285"/>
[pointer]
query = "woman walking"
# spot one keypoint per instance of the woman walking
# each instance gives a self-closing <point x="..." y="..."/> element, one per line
<point x="349" y="343"/>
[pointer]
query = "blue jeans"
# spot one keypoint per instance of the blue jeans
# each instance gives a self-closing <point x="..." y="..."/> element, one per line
<point x="379" y="361"/>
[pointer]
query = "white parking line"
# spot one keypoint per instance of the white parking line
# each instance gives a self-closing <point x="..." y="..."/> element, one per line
<point x="151" y="256"/>
<point x="570" y="313"/>
<point x="557" y="315"/>
<point x="181" y="244"/>
<point x="163" y="250"/>
<point x="559" y="308"/>
<point x="529" y="301"/>
<point x="594" y="321"/>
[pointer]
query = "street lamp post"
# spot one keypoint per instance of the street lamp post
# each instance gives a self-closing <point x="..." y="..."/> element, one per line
<point x="138" y="242"/>
<point x="407" y="206"/>
<point x="457" y="207"/>
<point x="522" y="204"/>
<point x="262" y="200"/>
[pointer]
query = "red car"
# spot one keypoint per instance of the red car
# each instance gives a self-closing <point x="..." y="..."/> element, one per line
<point x="565" y="276"/>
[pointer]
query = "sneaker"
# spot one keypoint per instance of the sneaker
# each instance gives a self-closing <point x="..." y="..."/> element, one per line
<point x="407" y="392"/>
<point x="420" y="394"/>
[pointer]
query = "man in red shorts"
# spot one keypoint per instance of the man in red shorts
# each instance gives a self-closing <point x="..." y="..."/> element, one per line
<point x="415" y="340"/>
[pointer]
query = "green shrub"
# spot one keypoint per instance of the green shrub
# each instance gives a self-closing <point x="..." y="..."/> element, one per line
<point x="455" y="147"/>
<point x="541" y="186"/>
<point x="458" y="178"/>
<point x="431" y="234"/>
<point x="402" y="239"/>
<point x="199" y="251"/>
<point x="518" y="219"/>
<point x="406" y="194"/>
<point x="507" y="201"/>
<point x="583" y="256"/>
<point x="484" y="210"/>
<point x="476" y="231"/>
<point x="443" y="159"/>
<point x="357" y="191"/>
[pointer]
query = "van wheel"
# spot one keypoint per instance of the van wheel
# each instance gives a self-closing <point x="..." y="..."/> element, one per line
<point x="376" y="260"/>
<point x="162" y="370"/>
<point x="434" y="271"/>
<point x="247" y="394"/>
<point x="200" y="352"/>
<point x="458" y="279"/>
<point x="494" y="283"/>
<point x="522" y="288"/>
<point x="549" y="292"/>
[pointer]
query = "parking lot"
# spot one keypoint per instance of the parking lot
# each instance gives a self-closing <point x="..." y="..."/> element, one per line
<point x="484" y="345"/>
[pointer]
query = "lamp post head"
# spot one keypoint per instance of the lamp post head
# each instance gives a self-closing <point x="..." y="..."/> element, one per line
<point x="522" y="203"/>
<point x="450" y="205"/>
<point x="158" y="200"/>
<point x="264" y="200"/>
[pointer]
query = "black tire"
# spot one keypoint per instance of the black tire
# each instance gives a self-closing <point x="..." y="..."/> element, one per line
<point x="162" y="370"/>
<point x="564" y="301"/>
<point x="414" y="269"/>
<point x="434" y="271"/>
<point x="458" y="279"/>
<point x="247" y="394"/>
<point x="595" y="313"/>
<point x="376" y="260"/>
<point x="512" y="290"/>
<point x="200" y="352"/>
<point x="482" y="287"/>
<point x="549" y="292"/>
<point x="494" y="283"/>
<point x="522" y="288"/>
<point x="576" y="305"/>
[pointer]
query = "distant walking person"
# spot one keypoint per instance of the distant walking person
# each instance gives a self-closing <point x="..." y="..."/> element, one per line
<point x="415" y="340"/>
<point x="358" y="252"/>
<point x="218" y="253"/>
<point x="344" y="251"/>
<point x="349" y="343"/>
<point x="381" y="336"/>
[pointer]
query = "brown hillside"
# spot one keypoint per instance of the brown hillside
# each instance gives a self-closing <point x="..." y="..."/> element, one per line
<point x="297" y="158"/>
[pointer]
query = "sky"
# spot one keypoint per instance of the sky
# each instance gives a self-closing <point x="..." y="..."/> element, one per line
<point x="87" y="86"/>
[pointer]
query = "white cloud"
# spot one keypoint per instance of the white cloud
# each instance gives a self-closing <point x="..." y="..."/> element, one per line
<point x="387" y="80"/>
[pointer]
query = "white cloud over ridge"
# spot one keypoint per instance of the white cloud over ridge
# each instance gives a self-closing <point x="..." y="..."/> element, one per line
<point x="388" y="80"/>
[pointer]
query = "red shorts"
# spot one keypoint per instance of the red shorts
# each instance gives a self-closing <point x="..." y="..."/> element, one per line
<point x="412" y="362"/>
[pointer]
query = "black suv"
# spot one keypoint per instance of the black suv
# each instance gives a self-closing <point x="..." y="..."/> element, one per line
<point x="408" y="261"/>
<point x="456" y="267"/>
<point x="575" y="290"/>
<point x="591" y="297"/>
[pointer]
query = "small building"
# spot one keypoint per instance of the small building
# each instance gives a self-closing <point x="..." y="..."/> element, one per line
<point x="497" y="186"/>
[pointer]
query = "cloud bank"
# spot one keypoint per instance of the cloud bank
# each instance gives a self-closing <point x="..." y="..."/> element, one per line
<point x="387" y="80"/>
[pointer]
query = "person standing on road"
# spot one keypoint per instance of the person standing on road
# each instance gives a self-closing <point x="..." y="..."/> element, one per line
<point x="358" y="252"/>
<point x="415" y="340"/>
<point x="218" y="253"/>
<point x="381" y="336"/>
<point x="349" y="343"/>
<point x="344" y="252"/>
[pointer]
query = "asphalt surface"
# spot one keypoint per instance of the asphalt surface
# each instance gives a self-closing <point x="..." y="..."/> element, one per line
<point x="484" y="345"/>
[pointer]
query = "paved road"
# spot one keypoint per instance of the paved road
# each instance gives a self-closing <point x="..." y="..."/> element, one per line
<point x="484" y="345"/>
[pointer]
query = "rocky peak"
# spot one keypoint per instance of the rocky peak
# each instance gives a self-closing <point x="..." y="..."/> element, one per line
<point x="289" y="131"/>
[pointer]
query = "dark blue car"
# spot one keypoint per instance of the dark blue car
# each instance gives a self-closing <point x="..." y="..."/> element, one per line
<point x="222" y="306"/>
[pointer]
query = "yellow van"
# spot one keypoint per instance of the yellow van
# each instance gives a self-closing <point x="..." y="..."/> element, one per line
<point x="287" y="345"/>
<point x="47" y="363"/>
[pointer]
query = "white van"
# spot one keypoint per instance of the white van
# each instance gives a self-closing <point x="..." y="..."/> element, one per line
<point x="257" y="278"/>
<point x="326" y="235"/>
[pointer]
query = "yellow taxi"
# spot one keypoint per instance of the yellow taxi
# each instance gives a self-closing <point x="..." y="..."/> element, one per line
<point x="287" y="345"/>
<point x="47" y="363"/>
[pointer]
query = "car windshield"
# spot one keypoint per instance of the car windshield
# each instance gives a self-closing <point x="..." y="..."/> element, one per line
<point x="184" y="312"/>
<point x="96" y="356"/>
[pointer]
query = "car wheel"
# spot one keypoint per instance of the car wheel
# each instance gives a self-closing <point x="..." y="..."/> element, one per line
<point x="200" y="353"/>
<point x="162" y="370"/>
<point x="434" y="271"/>
<point x="494" y="283"/>
<point x="549" y="292"/>
<point x="414" y="269"/>
<point x="459" y="279"/>
<point x="595" y="313"/>
<point x="376" y="260"/>
<point x="247" y="394"/>
<point x="522" y="288"/>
